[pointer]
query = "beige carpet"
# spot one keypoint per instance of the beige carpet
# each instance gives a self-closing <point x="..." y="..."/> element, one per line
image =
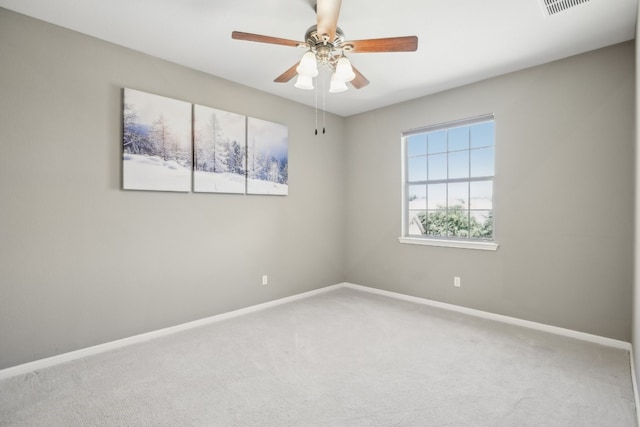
<point x="342" y="358"/>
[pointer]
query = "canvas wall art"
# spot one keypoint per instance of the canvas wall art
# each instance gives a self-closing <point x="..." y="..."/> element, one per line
<point x="171" y="145"/>
<point x="267" y="157"/>
<point x="219" y="151"/>
<point x="156" y="143"/>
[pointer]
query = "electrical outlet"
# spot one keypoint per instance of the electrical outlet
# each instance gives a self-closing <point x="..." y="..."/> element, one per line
<point x="265" y="279"/>
<point x="456" y="281"/>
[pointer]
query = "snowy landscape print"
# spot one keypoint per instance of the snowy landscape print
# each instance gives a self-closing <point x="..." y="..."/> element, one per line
<point x="156" y="143"/>
<point x="219" y="151"/>
<point x="267" y="157"/>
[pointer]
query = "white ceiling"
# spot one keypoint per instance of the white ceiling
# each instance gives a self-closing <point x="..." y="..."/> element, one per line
<point x="460" y="41"/>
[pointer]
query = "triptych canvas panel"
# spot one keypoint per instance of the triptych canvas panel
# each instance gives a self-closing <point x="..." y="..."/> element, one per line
<point x="171" y="145"/>
<point x="156" y="143"/>
<point x="219" y="143"/>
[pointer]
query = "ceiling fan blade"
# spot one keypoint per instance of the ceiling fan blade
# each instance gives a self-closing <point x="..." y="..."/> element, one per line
<point x="287" y="75"/>
<point x="328" y="11"/>
<point x="239" y="35"/>
<point x="360" y="81"/>
<point x="391" y="44"/>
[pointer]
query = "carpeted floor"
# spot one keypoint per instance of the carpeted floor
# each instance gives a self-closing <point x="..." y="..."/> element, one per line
<point x="341" y="358"/>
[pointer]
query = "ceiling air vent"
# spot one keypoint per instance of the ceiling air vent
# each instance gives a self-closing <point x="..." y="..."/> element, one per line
<point x="556" y="6"/>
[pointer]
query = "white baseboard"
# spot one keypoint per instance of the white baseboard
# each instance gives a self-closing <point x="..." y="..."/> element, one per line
<point x="609" y="342"/>
<point x="101" y="348"/>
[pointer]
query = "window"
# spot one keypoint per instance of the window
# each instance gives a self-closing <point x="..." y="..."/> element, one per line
<point x="448" y="184"/>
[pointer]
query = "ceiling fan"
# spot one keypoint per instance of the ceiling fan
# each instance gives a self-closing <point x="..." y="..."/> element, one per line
<point x="327" y="46"/>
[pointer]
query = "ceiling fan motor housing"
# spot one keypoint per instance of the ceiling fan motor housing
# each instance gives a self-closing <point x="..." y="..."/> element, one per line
<point x="327" y="51"/>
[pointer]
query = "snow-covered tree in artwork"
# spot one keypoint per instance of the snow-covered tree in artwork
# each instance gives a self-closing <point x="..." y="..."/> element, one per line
<point x="273" y="174"/>
<point x="222" y="152"/>
<point x="258" y="164"/>
<point x="213" y="150"/>
<point x="253" y="161"/>
<point x="162" y="137"/>
<point x="284" y="171"/>
<point x="200" y="154"/>
<point x="135" y="138"/>
<point x="213" y="135"/>
<point x="236" y="158"/>
<point x="182" y="150"/>
<point x="219" y="147"/>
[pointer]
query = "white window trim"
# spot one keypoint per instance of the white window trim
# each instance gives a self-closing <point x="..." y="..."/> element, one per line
<point x="461" y="244"/>
<point x="426" y="241"/>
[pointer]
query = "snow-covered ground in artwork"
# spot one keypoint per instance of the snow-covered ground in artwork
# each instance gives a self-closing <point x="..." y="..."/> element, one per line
<point x="255" y="186"/>
<point x="234" y="183"/>
<point x="209" y="182"/>
<point x="141" y="172"/>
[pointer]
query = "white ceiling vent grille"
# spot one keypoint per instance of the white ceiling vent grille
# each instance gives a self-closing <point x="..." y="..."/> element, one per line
<point x="556" y="6"/>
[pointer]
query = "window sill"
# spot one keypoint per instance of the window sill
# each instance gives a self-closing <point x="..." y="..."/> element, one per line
<point x="485" y="246"/>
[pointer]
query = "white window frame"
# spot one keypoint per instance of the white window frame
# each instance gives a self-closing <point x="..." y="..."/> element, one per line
<point x="464" y="243"/>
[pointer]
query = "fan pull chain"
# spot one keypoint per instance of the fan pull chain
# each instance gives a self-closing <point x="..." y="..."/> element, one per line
<point x="316" y="108"/>
<point x="323" y="105"/>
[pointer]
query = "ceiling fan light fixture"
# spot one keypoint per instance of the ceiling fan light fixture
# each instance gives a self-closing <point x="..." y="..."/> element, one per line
<point x="337" y="84"/>
<point x="308" y="65"/>
<point x="304" y="82"/>
<point x="344" y="71"/>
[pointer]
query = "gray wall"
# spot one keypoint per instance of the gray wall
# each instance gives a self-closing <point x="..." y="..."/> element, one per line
<point x="83" y="262"/>
<point x="564" y="196"/>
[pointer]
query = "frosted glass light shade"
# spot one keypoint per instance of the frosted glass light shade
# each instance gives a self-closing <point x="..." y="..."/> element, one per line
<point x="304" y="82"/>
<point x="308" y="65"/>
<point x="337" y="84"/>
<point x="344" y="70"/>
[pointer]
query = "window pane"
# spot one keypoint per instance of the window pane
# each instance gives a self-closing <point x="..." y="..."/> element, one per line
<point x="459" y="164"/>
<point x="438" y="166"/>
<point x="437" y="196"/>
<point x="417" y="168"/>
<point x="482" y="162"/>
<point x="417" y="192"/>
<point x="481" y="194"/>
<point x="458" y="222"/>
<point x="482" y="224"/>
<point x="458" y="195"/>
<point x="417" y="222"/>
<point x="417" y="145"/>
<point x="482" y="135"/>
<point x="437" y="223"/>
<point x="459" y="138"/>
<point x="438" y="142"/>
<point x="417" y="197"/>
